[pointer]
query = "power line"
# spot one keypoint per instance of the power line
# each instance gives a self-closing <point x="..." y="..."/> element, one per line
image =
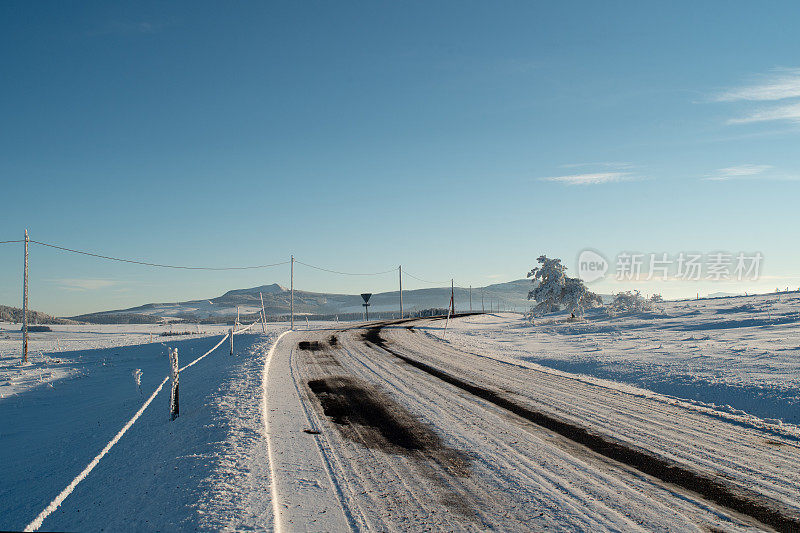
<point x="252" y="267"/>
<point x="346" y="273"/>
<point x="181" y="267"/>
<point x="406" y="272"/>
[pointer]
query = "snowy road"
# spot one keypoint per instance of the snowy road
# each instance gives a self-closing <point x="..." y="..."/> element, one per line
<point x="388" y="428"/>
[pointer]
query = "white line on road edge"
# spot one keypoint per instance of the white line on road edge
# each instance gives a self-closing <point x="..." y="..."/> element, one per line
<point x="36" y="524"/>
<point x="265" y="412"/>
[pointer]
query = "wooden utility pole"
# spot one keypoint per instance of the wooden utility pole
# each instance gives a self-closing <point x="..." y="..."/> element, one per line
<point x="483" y="309"/>
<point x="291" y="288"/>
<point x="400" y="270"/>
<point x="25" y="304"/>
<point x="452" y="297"/>
<point x="470" y="298"/>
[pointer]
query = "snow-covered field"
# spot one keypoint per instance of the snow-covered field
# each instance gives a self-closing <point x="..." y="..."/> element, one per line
<point x="735" y="354"/>
<point x="71" y="350"/>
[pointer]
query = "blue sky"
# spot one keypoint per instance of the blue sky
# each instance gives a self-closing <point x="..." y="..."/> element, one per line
<point x="460" y="139"/>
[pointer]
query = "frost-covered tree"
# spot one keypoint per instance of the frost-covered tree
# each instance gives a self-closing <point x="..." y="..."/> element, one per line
<point x="550" y="280"/>
<point x="575" y="297"/>
<point x="555" y="290"/>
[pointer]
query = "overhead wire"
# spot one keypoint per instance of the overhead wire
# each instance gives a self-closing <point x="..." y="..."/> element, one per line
<point x="346" y="273"/>
<point x="407" y="273"/>
<point x="159" y="265"/>
<point x="250" y="267"/>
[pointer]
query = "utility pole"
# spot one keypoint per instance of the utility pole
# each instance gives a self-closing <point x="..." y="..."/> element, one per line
<point x="400" y="271"/>
<point x="452" y="297"/>
<point x="483" y="309"/>
<point x="470" y="298"/>
<point x="25" y="305"/>
<point x="291" y="304"/>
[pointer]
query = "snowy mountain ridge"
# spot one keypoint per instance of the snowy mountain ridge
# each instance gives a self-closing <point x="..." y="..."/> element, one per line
<point x="511" y="295"/>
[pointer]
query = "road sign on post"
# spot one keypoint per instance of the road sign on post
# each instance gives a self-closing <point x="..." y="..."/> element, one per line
<point x="366" y="296"/>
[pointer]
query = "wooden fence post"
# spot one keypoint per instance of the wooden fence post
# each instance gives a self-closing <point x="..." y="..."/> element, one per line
<point x="173" y="399"/>
<point x="230" y="332"/>
<point x="263" y="314"/>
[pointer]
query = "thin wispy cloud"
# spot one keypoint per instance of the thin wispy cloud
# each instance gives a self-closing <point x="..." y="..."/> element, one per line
<point x="789" y="112"/>
<point x="745" y="170"/>
<point x="781" y="84"/>
<point x="617" y="165"/>
<point x="140" y="27"/>
<point x="83" y="284"/>
<point x="750" y="172"/>
<point x="598" y="178"/>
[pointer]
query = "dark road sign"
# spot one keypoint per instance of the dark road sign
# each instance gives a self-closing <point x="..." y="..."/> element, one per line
<point x="366" y="296"/>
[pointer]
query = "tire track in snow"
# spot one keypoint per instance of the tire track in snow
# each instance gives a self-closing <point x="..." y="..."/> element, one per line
<point x="737" y="499"/>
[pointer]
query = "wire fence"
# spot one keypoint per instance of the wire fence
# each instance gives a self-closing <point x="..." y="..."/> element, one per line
<point x="58" y="500"/>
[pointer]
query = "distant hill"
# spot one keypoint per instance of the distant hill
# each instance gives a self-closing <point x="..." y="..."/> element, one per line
<point x="509" y="296"/>
<point x="14" y="314"/>
<point x="724" y="294"/>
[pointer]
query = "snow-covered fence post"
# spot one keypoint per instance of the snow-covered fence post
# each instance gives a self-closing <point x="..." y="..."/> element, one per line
<point x="447" y="321"/>
<point x="230" y="333"/>
<point x="263" y="314"/>
<point x="137" y="379"/>
<point x="173" y="398"/>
